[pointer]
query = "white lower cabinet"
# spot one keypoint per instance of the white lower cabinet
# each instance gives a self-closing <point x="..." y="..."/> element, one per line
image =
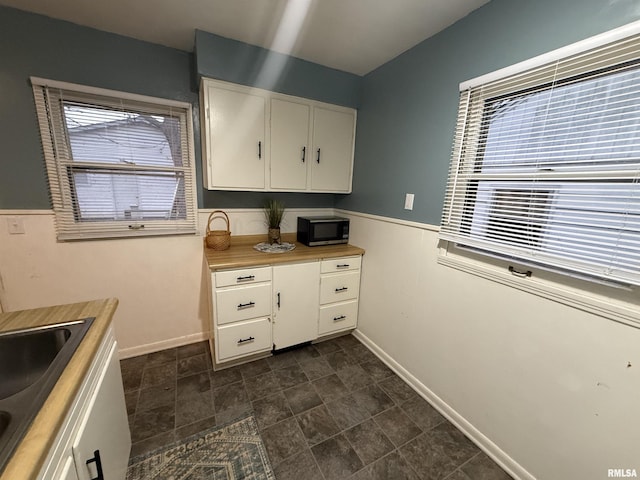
<point x="103" y="443"/>
<point x="337" y="317"/>
<point x="296" y="302"/>
<point x="257" y="310"/>
<point x="67" y="470"/>
<point x="237" y="340"/>
<point x="339" y="291"/>
<point x="94" y="441"/>
<point x="241" y="303"/>
<point x="241" y="306"/>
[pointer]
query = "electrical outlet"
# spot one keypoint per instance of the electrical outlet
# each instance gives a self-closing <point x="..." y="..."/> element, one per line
<point x="15" y="225"/>
<point x="408" y="201"/>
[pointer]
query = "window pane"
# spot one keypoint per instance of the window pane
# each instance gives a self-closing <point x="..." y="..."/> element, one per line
<point x="580" y="125"/>
<point x="104" y="195"/>
<point x="99" y="134"/>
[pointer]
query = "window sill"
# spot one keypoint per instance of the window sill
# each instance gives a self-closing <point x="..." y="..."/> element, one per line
<point x="613" y="303"/>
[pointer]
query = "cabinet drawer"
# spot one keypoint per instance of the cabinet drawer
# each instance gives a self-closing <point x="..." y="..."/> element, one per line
<point x="242" y="303"/>
<point x="340" y="264"/>
<point x="242" y="277"/>
<point x="339" y="287"/>
<point x="243" y="338"/>
<point x="338" y="316"/>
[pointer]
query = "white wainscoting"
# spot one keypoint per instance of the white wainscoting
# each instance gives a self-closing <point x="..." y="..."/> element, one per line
<point x="160" y="281"/>
<point x="547" y="390"/>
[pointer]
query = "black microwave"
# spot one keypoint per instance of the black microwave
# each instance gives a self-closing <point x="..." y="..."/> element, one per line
<point x="314" y="231"/>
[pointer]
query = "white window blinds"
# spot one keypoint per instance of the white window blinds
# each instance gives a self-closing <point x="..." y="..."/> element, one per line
<point x="546" y="165"/>
<point x="118" y="165"/>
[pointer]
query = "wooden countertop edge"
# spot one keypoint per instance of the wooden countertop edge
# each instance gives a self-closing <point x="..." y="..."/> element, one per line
<point x="29" y="457"/>
<point x="241" y="253"/>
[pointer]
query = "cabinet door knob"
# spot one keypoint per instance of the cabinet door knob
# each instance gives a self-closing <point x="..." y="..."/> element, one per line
<point x="342" y="265"/>
<point x="245" y="278"/>
<point x="246" y="305"/>
<point x="98" y="462"/>
<point x="337" y="319"/>
<point x="278" y="300"/>
<point x="318" y="159"/>
<point x="304" y="153"/>
<point x="259" y="149"/>
<point x="245" y="340"/>
<point x="341" y="289"/>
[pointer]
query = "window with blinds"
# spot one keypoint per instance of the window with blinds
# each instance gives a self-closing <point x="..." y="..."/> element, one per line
<point x="118" y="165"/>
<point x="546" y="165"/>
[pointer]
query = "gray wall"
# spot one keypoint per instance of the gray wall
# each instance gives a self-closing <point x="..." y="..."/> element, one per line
<point x="407" y="114"/>
<point x="407" y="106"/>
<point x="34" y="45"/>
<point x="237" y="62"/>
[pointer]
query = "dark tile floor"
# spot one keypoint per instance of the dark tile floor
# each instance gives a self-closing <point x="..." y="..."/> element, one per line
<point x="326" y="412"/>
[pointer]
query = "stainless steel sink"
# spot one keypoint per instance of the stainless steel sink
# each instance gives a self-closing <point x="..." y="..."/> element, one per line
<point x="31" y="361"/>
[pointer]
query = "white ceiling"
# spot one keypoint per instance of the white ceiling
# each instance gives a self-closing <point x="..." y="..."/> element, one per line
<point x="356" y="36"/>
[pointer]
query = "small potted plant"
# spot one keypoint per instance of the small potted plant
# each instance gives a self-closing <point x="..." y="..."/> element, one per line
<point x="273" y="213"/>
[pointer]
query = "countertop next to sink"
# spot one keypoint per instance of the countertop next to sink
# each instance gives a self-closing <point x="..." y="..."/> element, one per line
<point x="26" y="462"/>
<point x="242" y="254"/>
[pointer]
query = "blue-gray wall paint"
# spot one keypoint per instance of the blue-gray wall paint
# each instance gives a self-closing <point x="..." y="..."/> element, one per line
<point x="407" y="115"/>
<point x="238" y="62"/>
<point x="35" y="45"/>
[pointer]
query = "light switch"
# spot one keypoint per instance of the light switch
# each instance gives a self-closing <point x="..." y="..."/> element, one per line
<point x="408" y="201"/>
<point x="15" y="225"/>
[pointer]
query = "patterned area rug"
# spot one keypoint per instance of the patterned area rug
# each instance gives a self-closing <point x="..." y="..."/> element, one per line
<point x="231" y="452"/>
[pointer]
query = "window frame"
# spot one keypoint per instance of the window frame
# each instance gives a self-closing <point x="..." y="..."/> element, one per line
<point x="59" y="165"/>
<point x="613" y="300"/>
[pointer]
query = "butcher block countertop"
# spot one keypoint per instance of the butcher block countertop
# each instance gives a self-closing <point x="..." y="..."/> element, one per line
<point x="242" y="254"/>
<point x="29" y="457"/>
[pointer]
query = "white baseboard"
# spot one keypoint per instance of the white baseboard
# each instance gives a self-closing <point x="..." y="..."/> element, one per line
<point x="487" y="446"/>
<point x="163" y="345"/>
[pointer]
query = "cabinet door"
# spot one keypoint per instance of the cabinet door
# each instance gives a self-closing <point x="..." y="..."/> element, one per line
<point x="289" y="144"/>
<point x="105" y="427"/>
<point x="296" y="290"/>
<point x="235" y="129"/>
<point x="67" y="470"/>
<point x="332" y="161"/>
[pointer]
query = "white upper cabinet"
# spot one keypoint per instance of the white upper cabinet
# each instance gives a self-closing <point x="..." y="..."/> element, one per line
<point x="289" y="144"/>
<point x="254" y="139"/>
<point x="333" y="132"/>
<point x="234" y="132"/>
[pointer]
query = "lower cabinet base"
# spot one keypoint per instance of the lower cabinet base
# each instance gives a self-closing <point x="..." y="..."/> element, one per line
<point x="258" y="356"/>
<point x="232" y="363"/>
<point x="331" y="336"/>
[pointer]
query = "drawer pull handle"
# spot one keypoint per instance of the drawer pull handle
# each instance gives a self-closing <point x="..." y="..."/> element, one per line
<point x="96" y="459"/>
<point x="341" y="317"/>
<point x="342" y="265"/>
<point x="245" y="340"/>
<point x="246" y="305"/>
<point x="343" y="289"/>
<point x="246" y="278"/>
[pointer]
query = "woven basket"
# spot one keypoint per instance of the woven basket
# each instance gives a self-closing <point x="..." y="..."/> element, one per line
<point x="218" y="239"/>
